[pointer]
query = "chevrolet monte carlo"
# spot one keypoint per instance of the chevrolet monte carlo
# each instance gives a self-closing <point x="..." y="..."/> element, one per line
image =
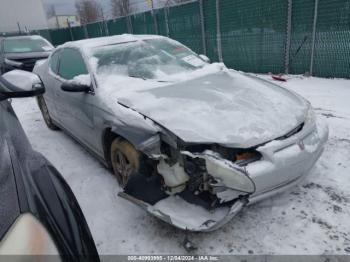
<point x="192" y="142"/>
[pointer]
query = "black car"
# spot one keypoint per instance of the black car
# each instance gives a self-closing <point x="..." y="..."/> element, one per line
<point x="38" y="212"/>
<point x="22" y="52"/>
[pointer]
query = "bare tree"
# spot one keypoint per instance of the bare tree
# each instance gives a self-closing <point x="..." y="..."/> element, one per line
<point x="121" y="7"/>
<point x="50" y="10"/>
<point x="88" y="11"/>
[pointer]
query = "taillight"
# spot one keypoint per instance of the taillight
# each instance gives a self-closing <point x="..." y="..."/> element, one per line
<point x="27" y="236"/>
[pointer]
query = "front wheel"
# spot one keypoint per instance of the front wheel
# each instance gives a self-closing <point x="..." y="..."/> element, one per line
<point x="45" y="113"/>
<point x="125" y="160"/>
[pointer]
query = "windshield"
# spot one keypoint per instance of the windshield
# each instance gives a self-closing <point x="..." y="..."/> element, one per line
<point x="26" y="45"/>
<point x="146" y="59"/>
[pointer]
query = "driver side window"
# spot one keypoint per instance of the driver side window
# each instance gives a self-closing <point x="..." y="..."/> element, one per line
<point x="71" y="64"/>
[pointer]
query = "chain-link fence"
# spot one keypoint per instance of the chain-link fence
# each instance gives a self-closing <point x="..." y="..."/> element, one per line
<point x="295" y="36"/>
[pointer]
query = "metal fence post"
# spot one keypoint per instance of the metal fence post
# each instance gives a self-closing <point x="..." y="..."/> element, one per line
<point x="288" y="40"/>
<point x="86" y="33"/>
<point x="313" y="38"/>
<point x="129" y="24"/>
<point x="218" y="30"/>
<point x="155" y="22"/>
<point x="106" y="27"/>
<point x="166" y="9"/>
<point x="70" y="30"/>
<point x="201" y="12"/>
<point x="100" y="26"/>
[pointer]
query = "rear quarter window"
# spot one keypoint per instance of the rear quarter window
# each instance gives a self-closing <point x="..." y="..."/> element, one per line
<point x="71" y="64"/>
<point x="54" y="59"/>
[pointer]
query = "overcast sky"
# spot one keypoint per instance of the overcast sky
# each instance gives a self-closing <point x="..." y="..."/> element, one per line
<point x="68" y="7"/>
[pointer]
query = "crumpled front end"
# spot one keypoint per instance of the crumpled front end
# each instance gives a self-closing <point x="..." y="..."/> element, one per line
<point x="202" y="187"/>
<point x="203" y="198"/>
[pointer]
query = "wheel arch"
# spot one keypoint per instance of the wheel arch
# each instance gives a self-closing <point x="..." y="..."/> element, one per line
<point x="108" y="135"/>
<point x="107" y="138"/>
<point x="133" y="136"/>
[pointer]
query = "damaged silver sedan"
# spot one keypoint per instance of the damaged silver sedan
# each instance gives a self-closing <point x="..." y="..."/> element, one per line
<point x="190" y="141"/>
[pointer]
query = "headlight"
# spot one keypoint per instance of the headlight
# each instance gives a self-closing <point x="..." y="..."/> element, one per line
<point x="310" y="116"/>
<point x="230" y="177"/>
<point x="27" y="236"/>
<point x="224" y="171"/>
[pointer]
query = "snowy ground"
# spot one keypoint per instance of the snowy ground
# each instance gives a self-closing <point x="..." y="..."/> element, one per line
<point x="313" y="218"/>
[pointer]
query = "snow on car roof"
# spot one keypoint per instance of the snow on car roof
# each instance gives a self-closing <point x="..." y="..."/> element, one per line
<point x="88" y="44"/>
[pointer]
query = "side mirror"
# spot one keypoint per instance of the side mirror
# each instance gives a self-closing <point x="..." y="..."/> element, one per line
<point x="205" y="58"/>
<point x="19" y="83"/>
<point x="81" y="83"/>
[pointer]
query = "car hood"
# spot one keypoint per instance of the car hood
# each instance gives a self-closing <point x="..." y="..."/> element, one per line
<point x="225" y="107"/>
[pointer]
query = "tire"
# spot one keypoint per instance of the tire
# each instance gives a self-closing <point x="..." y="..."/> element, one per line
<point x="125" y="160"/>
<point x="45" y="113"/>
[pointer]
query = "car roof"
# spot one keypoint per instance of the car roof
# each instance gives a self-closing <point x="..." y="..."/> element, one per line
<point x="108" y="40"/>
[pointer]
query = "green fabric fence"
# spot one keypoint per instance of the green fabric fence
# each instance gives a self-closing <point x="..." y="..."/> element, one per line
<point x="253" y="35"/>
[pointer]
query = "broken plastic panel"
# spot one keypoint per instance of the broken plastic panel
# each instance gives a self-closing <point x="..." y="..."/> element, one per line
<point x="181" y="214"/>
<point x="225" y="172"/>
<point x="230" y="185"/>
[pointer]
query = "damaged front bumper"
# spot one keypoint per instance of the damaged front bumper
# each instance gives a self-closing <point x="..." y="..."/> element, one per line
<point x="286" y="163"/>
<point x="283" y="164"/>
<point x="181" y="214"/>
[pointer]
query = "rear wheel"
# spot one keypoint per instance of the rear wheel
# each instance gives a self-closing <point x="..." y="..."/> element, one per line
<point x="45" y="113"/>
<point x="125" y="160"/>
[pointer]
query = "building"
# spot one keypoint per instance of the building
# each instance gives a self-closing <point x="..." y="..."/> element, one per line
<point x="22" y="15"/>
<point x="63" y="21"/>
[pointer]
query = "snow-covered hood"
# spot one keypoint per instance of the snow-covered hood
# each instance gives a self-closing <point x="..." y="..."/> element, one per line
<point x="224" y="107"/>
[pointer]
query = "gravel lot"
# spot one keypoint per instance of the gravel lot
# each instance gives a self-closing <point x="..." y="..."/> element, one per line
<point x="313" y="218"/>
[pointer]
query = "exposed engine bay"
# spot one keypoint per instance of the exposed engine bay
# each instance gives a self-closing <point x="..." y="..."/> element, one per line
<point x="206" y="183"/>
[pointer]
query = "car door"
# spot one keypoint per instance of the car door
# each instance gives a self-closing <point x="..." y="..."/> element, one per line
<point x="75" y="109"/>
<point x="9" y="207"/>
<point x="52" y="84"/>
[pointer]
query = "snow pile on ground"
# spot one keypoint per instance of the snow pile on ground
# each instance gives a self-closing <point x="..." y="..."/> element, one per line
<point x="313" y="218"/>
